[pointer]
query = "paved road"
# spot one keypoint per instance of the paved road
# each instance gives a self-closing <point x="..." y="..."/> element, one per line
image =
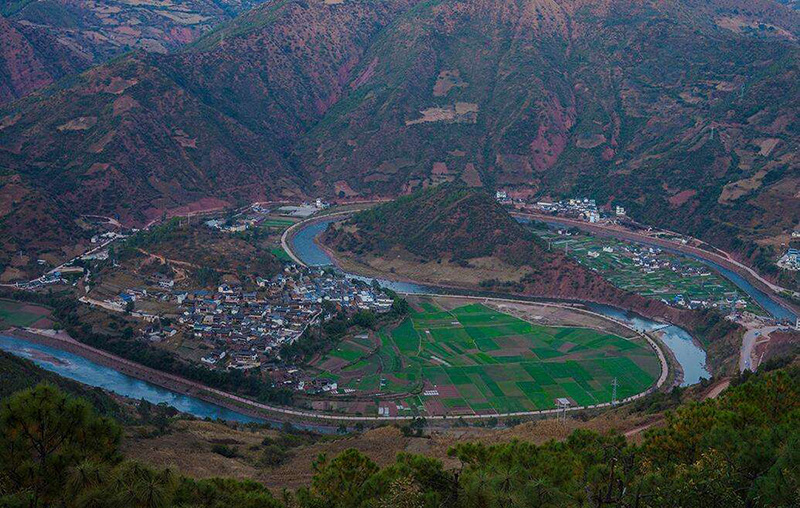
<point x="713" y="393"/>
<point x="725" y="260"/>
<point x="746" y="360"/>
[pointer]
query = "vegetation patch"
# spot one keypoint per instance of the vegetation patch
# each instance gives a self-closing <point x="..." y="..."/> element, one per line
<point x="473" y="359"/>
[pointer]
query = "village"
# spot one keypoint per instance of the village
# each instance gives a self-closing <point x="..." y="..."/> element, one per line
<point x="239" y="322"/>
<point x="674" y="279"/>
<point x="246" y="330"/>
<point x="580" y="208"/>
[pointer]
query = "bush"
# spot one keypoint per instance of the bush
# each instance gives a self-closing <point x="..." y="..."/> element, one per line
<point x="225" y="450"/>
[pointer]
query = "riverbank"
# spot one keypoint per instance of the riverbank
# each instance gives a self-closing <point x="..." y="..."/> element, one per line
<point x="177" y="384"/>
<point x="770" y="290"/>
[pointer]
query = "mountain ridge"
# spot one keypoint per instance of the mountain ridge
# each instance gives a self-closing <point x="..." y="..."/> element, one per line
<point x="682" y="112"/>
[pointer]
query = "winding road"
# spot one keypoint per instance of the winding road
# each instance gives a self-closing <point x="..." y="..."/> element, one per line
<point x="746" y="360"/>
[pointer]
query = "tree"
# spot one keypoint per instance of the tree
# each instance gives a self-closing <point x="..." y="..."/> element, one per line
<point x="340" y="482"/>
<point x="43" y="434"/>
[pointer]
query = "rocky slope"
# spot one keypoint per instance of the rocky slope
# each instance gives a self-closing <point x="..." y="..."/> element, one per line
<point x="42" y="41"/>
<point x="684" y="111"/>
<point x="31" y="59"/>
<point x="150" y="132"/>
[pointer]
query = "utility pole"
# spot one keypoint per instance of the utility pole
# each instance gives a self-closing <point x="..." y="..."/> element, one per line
<point x="614" y="392"/>
<point x="562" y="404"/>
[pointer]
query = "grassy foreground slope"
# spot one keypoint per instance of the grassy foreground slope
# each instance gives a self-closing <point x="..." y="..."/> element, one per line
<point x="739" y="450"/>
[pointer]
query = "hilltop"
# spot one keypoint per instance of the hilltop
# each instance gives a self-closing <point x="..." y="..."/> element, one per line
<point x="454" y="235"/>
<point x="447" y="221"/>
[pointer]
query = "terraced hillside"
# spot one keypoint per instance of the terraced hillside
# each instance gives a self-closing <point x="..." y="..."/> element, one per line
<point x="43" y="41"/>
<point x="684" y="112"/>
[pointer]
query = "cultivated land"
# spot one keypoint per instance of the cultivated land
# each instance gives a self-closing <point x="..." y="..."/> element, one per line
<point x="661" y="275"/>
<point x="14" y="313"/>
<point x="455" y="357"/>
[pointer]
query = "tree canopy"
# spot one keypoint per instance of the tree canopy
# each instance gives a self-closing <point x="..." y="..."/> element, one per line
<point x="741" y="450"/>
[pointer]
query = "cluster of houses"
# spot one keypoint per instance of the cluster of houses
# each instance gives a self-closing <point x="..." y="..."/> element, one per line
<point x="245" y="329"/>
<point x="583" y="208"/>
<point x="790" y="260"/>
<point x="649" y="260"/>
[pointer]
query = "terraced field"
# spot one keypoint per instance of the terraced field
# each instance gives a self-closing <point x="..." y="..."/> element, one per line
<point x="676" y="278"/>
<point x="474" y="359"/>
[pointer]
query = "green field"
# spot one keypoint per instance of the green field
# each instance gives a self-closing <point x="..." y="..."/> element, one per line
<point x="677" y="277"/>
<point x="473" y="359"/>
<point x="281" y="254"/>
<point x="12" y="314"/>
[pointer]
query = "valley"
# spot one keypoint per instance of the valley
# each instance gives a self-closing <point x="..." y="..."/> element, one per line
<point x="399" y="253"/>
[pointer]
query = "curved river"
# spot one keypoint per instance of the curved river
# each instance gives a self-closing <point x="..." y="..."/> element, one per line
<point x="687" y="352"/>
<point x="81" y="369"/>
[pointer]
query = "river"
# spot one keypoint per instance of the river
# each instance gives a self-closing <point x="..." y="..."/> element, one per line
<point x="78" y="368"/>
<point x="687" y="352"/>
<point x="691" y="357"/>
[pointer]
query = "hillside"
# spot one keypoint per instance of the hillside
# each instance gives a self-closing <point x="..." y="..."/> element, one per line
<point x="734" y="450"/>
<point x="149" y="132"/>
<point x="454" y="235"/>
<point x="31" y="59"/>
<point x="678" y="110"/>
<point x="445" y="221"/>
<point x="43" y="41"/>
<point x="684" y="112"/>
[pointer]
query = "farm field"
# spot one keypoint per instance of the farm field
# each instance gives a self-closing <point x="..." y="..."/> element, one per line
<point x="675" y="279"/>
<point x="22" y="314"/>
<point x="472" y="359"/>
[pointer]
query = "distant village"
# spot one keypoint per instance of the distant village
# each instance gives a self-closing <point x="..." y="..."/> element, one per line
<point x="583" y="208"/>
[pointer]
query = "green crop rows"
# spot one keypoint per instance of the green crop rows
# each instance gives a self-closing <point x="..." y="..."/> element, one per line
<point x="474" y="359"/>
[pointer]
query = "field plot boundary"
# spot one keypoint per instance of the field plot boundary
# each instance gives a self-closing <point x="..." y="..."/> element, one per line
<point x="473" y="359"/>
